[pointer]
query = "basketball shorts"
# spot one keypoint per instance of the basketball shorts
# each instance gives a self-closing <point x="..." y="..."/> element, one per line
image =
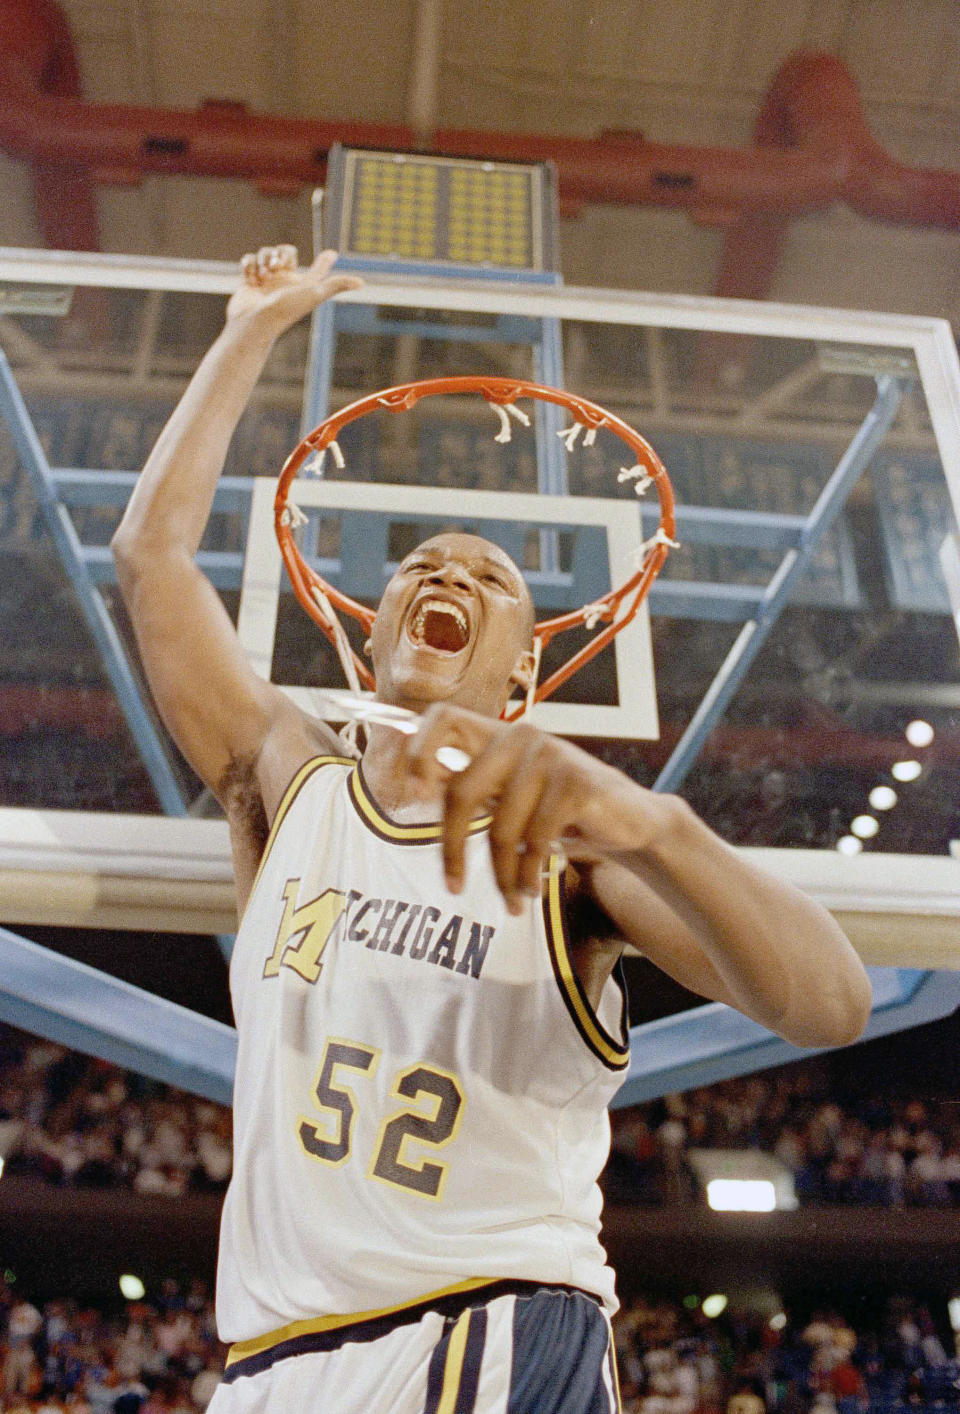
<point x="511" y="1348"/>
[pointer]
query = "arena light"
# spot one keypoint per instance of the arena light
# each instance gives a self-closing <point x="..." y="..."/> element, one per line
<point x="849" y="844"/>
<point x="741" y="1195"/>
<point x="906" y="770"/>
<point x="883" y="798"/>
<point x="714" y="1305"/>
<point x="919" y="733"/>
<point x="864" y="827"/>
<point x="743" y="1180"/>
<point x="777" y="1322"/>
<point x="131" y="1287"/>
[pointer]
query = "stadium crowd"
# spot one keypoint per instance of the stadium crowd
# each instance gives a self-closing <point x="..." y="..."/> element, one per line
<point x="878" y="1150"/>
<point x="71" y="1120"/>
<point x="161" y="1356"/>
<point x="675" y="1360"/>
<point x="153" y="1357"/>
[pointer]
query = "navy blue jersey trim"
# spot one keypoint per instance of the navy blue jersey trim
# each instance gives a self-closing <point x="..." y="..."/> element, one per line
<point x="561" y="1351"/>
<point x="615" y="1054"/>
<point x="362" y="1331"/>
<point x="472" y="1360"/>
<point x="389" y="830"/>
<point x="454" y="1369"/>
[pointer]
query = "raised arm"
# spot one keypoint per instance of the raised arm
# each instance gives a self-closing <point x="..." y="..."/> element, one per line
<point x="215" y="707"/>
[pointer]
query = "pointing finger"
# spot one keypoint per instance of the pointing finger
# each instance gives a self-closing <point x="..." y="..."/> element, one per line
<point x="518" y="799"/>
<point x="466" y="794"/>
<point x="542" y="830"/>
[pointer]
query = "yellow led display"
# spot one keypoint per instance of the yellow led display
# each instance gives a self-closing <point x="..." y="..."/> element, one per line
<point x="442" y="210"/>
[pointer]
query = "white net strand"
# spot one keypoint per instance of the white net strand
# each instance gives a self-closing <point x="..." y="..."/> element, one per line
<point x="592" y="614"/>
<point x="659" y="537"/>
<point x="504" y="434"/>
<point x="293" y="516"/>
<point x="534" y="675"/>
<point x="504" y="412"/>
<point x="347" y="736"/>
<point x="641" y="478"/>
<point x="314" y="466"/>
<point x="340" y="640"/>
<point x="568" y="435"/>
<point x="349" y="733"/>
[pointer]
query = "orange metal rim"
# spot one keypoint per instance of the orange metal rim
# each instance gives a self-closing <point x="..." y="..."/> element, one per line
<point x="616" y="608"/>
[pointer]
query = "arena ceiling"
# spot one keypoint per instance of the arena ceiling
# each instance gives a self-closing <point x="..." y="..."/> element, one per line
<point x="676" y="71"/>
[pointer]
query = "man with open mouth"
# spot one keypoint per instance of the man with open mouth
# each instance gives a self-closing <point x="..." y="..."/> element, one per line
<point x="427" y="979"/>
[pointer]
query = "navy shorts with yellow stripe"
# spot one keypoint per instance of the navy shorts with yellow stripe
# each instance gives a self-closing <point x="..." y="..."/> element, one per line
<point x="508" y="1347"/>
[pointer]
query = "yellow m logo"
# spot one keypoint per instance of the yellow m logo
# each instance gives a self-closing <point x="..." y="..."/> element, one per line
<point x="315" y="921"/>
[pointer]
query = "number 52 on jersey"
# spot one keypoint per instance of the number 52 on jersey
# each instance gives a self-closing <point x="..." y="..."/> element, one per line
<point x="431" y="1121"/>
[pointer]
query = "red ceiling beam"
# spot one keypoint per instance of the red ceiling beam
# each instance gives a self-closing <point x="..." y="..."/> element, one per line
<point x="122" y="143"/>
<point x="812" y="108"/>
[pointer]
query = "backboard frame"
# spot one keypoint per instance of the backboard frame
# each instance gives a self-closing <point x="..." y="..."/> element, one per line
<point x="635" y="714"/>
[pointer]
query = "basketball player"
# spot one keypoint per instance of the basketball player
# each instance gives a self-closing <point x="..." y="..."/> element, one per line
<point x="429" y="1001"/>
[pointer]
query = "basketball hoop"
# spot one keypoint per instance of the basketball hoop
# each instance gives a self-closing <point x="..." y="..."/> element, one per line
<point x="323" y="602"/>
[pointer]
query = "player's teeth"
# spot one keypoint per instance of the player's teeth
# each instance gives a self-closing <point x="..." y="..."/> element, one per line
<point x="441" y="606"/>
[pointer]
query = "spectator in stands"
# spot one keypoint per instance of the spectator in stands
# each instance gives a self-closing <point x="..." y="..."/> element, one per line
<point x="888" y="1152"/>
<point x="747" y="1398"/>
<point x="20" y="1369"/>
<point x="164" y="1356"/>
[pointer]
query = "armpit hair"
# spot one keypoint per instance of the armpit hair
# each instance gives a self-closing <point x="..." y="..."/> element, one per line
<point x="586" y="921"/>
<point x="239" y="794"/>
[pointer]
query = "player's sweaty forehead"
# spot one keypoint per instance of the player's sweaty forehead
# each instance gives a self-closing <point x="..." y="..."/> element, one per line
<point x="471" y="551"/>
<point x="475" y="554"/>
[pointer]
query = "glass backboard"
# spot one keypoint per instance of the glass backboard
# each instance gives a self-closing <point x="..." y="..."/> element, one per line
<point x="801" y="654"/>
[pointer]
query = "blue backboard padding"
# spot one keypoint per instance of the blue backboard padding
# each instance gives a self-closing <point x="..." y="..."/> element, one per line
<point x="89" y="1011"/>
<point x="714" y="1042"/>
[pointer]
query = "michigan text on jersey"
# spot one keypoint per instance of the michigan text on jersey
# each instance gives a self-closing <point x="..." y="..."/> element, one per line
<point x="420" y="932"/>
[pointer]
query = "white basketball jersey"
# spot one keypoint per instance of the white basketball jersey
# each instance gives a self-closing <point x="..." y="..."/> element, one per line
<point x="421" y="1087"/>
